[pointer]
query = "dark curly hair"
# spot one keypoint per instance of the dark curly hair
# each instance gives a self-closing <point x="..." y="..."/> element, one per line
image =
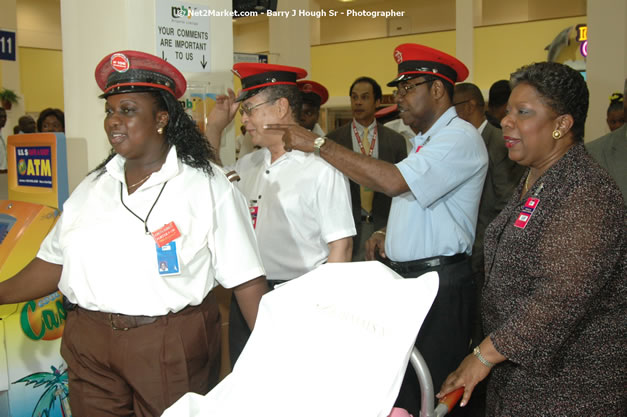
<point x="192" y="147"/>
<point x="562" y="88"/>
<point x="57" y="113"/>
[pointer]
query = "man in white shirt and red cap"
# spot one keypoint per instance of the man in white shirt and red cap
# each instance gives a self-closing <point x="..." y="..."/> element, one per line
<point x="299" y="203"/>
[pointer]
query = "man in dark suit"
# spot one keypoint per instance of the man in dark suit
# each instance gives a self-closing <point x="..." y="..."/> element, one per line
<point x="363" y="134"/>
<point x="501" y="180"/>
<point x="497" y="102"/>
<point x="503" y="173"/>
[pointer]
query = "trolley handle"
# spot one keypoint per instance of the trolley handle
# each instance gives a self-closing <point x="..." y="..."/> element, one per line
<point x="447" y="402"/>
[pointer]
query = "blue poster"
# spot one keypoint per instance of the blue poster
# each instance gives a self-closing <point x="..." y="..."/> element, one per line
<point x="34" y="166"/>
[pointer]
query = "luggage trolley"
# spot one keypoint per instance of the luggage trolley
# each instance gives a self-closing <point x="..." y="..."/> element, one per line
<point x="359" y="327"/>
<point x="427" y="392"/>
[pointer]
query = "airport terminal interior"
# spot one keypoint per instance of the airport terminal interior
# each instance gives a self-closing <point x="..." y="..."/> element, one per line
<point x="49" y="49"/>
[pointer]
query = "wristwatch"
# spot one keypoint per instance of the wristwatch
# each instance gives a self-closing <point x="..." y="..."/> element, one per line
<point x="483" y="360"/>
<point x="319" y="143"/>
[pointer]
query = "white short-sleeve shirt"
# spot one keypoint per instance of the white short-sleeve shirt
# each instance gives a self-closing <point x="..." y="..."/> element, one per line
<point x="110" y="264"/>
<point x="303" y="205"/>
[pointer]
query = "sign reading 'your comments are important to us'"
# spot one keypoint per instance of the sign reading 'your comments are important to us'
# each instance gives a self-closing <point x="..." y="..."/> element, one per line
<point x="183" y="35"/>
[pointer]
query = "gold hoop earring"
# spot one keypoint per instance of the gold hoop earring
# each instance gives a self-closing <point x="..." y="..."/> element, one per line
<point x="557" y="134"/>
<point x="160" y="131"/>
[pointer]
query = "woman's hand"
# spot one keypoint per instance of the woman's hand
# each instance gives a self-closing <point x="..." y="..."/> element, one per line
<point x="469" y="373"/>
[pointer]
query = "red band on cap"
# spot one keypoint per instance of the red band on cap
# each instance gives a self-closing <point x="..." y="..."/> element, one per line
<point x="254" y="87"/>
<point x="436" y="74"/>
<point x="162" y="87"/>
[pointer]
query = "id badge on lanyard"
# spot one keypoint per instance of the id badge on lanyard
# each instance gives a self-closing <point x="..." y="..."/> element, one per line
<point x="167" y="254"/>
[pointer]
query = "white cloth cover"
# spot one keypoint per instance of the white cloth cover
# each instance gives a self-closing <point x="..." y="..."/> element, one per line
<point x="334" y="342"/>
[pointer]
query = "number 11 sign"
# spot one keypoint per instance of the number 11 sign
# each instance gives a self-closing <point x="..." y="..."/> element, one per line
<point x="7" y="45"/>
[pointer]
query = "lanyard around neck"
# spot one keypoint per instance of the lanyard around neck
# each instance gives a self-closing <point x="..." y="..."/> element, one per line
<point x="361" y="145"/>
<point x="145" y="221"/>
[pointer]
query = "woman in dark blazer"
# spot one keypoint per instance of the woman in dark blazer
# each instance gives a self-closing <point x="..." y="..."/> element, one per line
<point x="554" y="296"/>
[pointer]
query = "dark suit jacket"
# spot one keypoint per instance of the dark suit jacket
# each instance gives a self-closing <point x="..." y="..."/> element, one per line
<point x="502" y="178"/>
<point x="392" y="149"/>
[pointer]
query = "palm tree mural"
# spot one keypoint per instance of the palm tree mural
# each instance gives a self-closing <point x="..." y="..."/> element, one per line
<point x="56" y="386"/>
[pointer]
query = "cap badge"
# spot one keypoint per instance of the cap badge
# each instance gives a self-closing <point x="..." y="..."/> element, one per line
<point x="398" y="56"/>
<point x="307" y="88"/>
<point x="119" y="62"/>
<point x="273" y="80"/>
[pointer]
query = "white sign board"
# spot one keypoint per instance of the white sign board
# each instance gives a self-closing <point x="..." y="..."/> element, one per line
<point x="183" y="36"/>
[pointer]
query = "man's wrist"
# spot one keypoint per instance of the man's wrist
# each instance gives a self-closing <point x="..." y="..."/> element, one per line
<point x="318" y="143"/>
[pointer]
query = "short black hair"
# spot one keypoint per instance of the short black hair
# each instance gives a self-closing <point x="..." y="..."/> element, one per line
<point x="313" y="99"/>
<point x="57" y="113"/>
<point x="290" y="92"/>
<point x="499" y="93"/>
<point x="473" y="92"/>
<point x="376" y="88"/>
<point x="449" y="87"/>
<point x="562" y="88"/>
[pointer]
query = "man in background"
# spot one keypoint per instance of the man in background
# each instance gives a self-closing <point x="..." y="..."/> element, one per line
<point x="503" y="174"/>
<point x="367" y="137"/>
<point x="27" y="124"/>
<point x="497" y="102"/>
<point x="610" y="151"/>
<point x="313" y="95"/>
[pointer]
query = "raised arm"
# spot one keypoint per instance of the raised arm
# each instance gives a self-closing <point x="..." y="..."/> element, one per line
<point x="375" y="174"/>
<point x="221" y="115"/>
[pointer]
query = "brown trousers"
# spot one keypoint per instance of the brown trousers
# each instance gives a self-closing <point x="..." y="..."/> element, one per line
<point x="144" y="370"/>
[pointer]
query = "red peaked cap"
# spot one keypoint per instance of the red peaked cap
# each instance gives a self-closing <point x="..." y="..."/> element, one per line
<point x="415" y="60"/>
<point x="387" y="110"/>
<point x="255" y="75"/>
<point x="312" y="87"/>
<point x="136" y="72"/>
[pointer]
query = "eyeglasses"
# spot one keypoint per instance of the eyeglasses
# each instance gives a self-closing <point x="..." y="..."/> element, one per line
<point x="403" y="89"/>
<point x="249" y="110"/>
<point x="461" y="102"/>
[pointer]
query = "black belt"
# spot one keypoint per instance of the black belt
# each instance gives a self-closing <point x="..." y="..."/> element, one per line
<point x="367" y="219"/>
<point x="422" y="264"/>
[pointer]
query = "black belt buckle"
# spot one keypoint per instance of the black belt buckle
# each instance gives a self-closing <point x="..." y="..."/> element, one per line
<point x="421" y="265"/>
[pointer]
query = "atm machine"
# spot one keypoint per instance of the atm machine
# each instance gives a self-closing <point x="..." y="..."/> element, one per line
<point x="33" y="376"/>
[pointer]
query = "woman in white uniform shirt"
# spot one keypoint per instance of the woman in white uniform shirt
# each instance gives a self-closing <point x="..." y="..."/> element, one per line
<point x="139" y="246"/>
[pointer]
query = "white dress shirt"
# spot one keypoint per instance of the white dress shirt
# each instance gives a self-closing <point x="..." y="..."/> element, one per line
<point x="303" y="202"/>
<point x="109" y="262"/>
